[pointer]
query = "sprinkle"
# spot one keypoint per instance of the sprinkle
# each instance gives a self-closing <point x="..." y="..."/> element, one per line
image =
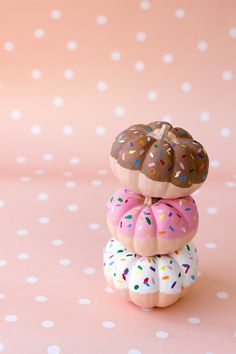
<point x="190" y="171"/>
<point x="141" y="142"/>
<point x="188" y="248"/>
<point x="162" y="267"/>
<point x="136" y="162"/>
<point x="183" y="178"/>
<point x="170" y="214"/>
<point x="182" y="165"/>
<point x="131" y="144"/>
<point x="159" y="152"/>
<point x="168" y="151"/>
<point x="151" y="164"/>
<point x="120" y="251"/>
<point x="170" y="168"/>
<point x="136" y="287"/>
<point x="129" y="225"/>
<point x="121" y="141"/>
<point x="126" y="201"/>
<point x="139" y="267"/>
<point x="173" y="285"/>
<point x="119" y="281"/>
<point x="123" y="156"/>
<point x="177" y="173"/>
<point x="183" y="156"/>
<point x="151" y="154"/>
<point x="192" y="276"/>
<point x="161" y="232"/>
<point x="179" y="275"/>
<point x="141" y="152"/>
<point x="140" y="227"/>
<point x="120" y="200"/>
<point x="148" y="220"/>
<point x="171" y="228"/>
<point x="187" y="209"/>
<point x="145" y="280"/>
<point x="124" y="277"/>
<point x="153" y="269"/>
<point x="121" y="224"/>
<point x="187" y="266"/>
<point x="111" y="199"/>
<point x="153" y="172"/>
<point x="128" y="216"/>
<point x="131" y="152"/>
<point x="162" y="162"/>
<point x="129" y="255"/>
<point x="165" y="277"/>
<point x="126" y="271"/>
<point x="162" y="216"/>
<point x="148" y="129"/>
<point x="155" y="145"/>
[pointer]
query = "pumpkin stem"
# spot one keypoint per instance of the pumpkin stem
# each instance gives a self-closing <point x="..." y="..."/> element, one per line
<point x="160" y="132"/>
<point x="148" y="200"/>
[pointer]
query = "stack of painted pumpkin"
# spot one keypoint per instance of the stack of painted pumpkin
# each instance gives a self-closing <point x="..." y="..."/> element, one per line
<point x="151" y="259"/>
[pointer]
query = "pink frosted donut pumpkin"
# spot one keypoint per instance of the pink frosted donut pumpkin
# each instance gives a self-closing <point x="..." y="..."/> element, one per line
<point x="150" y="226"/>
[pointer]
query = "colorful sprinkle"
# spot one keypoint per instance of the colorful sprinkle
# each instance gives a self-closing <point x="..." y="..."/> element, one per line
<point x="171" y="228"/>
<point x="165" y="277"/>
<point x="173" y="285"/>
<point x="120" y="200"/>
<point x="136" y="162"/>
<point x="148" y="220"/>
<point x="151" y="164"/>
<point x="153" y="269"/>
<point x="161" y="232"/>
<point x="187" y="266"/>
<point x="187" y="209"/>
<point x="136" y="287"/>
<point x="139" y="267"/>
<point x="162" y="216"/>
<point x="188" y="248"/>
<point x="126" y="271"/>
<point x="132" y="152"/>
<point x="162" y="162"/>
<point x="128" y="216"/>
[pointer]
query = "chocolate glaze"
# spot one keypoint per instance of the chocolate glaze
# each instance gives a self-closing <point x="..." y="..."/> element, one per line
<point x="162" y="153"/>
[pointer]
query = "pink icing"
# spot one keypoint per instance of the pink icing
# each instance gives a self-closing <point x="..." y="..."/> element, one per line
<point x="167" y="218"/>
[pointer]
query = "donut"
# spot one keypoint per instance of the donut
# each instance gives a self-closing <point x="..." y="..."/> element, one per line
<point x="149" y="226"/>
<point x="158" y="160"/>
<point x="157" y="281"/>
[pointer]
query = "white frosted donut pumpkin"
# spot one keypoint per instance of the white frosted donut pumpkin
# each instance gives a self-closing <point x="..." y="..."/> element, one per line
<point x="157" y="281"/>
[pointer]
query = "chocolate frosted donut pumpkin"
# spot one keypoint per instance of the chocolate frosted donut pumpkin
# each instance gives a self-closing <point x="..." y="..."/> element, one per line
<point x="158" y="160"/>
<point x="149" y="226"/>
<point x="150" y="281"/>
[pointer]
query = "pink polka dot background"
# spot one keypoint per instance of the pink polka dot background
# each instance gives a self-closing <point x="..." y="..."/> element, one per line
<point x="73" y="74"/>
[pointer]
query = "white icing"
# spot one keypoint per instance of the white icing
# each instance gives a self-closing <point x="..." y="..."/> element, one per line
<point x="179" y="267"/>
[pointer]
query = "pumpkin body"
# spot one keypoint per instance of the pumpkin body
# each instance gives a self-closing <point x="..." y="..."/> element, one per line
<point x="161" y="227"/>
<point x="157" y="281"/>
<point x="158" y="160"/>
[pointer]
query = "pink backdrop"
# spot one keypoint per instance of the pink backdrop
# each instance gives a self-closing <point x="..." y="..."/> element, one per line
<point x="73" y="74"/>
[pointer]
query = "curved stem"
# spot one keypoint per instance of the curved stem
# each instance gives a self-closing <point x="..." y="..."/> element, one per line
<point x="148" y="200"/>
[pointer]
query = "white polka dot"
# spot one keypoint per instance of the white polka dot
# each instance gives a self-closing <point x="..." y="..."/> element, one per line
<point x="84" y="301"/>
<point x="25" y="179"/>
<point x="31" y="280"/>
<point x="100" y="130"/>
<point x="214" y="163"/>
<point x="89" y="270"/>
<point x="69" y="74"/>
<point x="67" y="174"/>
<point x="38" y="172"/>
<point x="162" y="334"/>
<point x="72" y="207"/>
<point x="102" y="172"/>
<point x="2" y="296"/>
<point x="145" y="5"/>
<point x="16" y="114"/>
<point x="186" y="87"/>
<point x="101" y="20"/>
<point x="48" y="324"/>
<point x="57" y="242"/>
<point x="209" y="353"/>
<point x="41" y="298"/>
<point x="53" y="349"/>
<point x="139" y="65"/>
<point x="109" y="290"/>
<point x="205" y="116"/>
<point x="68" y="130"/>
<point x="210" y="245"/>
<point x="58" y="102"/>
<point x="179" y="13"/>
<point x="55" y="14"/>
<point x="108" y="324"/>
<point x="222" y="295"/>
<point x="227" y="75"/>
<point x="94" y="226"/>
<point x="65" y="262"/>
<point x="2" y="203"/>
<point x="167" y="58"/>
<point x="3" y="262"/>
<point x="202" y="46"/>
<point x="119" y="111"/>
<point x="36" y="130"/>
<point x="194" y="320"/>
<point x="212" y="210"/>
<point x="72" y="45"/>
<point x="23" y="256"/>
<point x="230" y="184"/>
<point x="9" y="46"/>
<point x="232" y="32"/>
<point x="44" y="220"/>
<point x="134" y="351"/>
<point x="225" y="132"/>
<point x="75" y="160"/>
<point x="96" y="182"/>
<point x="141" y="36"/>
<point x="70" y="184"/>
<point x="1" y="347"/>
<point x="21" y="159"/>
<point x="42" y="196"/>
<point x="22" y="232"/>
<point x="152" y="95"/>
<point x="10" y="318"/>
<point x="102" y="86"/>
<point x="39" y="33"/>
<point x="115" y="56"/>
<point x="167" y="119"/>
<point x="47" y="157"/>
<point x="36" y="74"/>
